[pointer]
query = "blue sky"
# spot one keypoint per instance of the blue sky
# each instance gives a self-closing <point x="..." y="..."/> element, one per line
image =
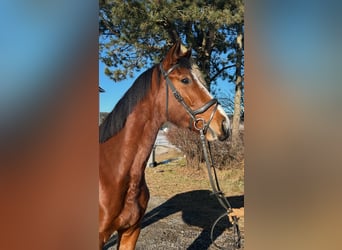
<point x="114" y="90"/>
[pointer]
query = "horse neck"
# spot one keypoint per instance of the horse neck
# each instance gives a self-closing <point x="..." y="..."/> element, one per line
<point x="144" y="122"/>
<point x="146" y="119"/>
<point x="134" y="143"/>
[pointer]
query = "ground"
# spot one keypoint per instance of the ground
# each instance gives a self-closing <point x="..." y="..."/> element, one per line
<point x="181" y="209"/>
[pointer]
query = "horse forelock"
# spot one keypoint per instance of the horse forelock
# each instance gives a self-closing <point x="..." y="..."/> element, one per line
<point x="185" y="63"/>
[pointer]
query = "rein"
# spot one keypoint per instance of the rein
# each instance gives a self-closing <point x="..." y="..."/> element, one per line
<point x="218" y="194"/>
<point x="202" y="126"/>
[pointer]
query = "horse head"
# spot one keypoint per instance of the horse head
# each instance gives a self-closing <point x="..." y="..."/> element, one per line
<point x="188" y="102"/>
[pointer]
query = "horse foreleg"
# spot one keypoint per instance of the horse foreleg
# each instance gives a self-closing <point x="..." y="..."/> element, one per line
<point x="101" y="241"/>
<point x="128" y="238"/>
<point x="103" y="238"/>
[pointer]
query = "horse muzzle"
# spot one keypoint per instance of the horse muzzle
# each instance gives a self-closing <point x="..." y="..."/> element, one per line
<point x="219" y="130"/>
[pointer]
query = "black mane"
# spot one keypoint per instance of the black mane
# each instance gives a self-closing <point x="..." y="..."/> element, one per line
<point x="116" y="119"/>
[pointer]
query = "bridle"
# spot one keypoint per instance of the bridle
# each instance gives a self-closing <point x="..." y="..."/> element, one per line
<point x="206" y="150"/>
<point x="198" y="123"/>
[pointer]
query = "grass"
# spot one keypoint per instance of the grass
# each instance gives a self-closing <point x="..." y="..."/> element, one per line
<point x="175" y="177"/>
<point x="167" y="180"/>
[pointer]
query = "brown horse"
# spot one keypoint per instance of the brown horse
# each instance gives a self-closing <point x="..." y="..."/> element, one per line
<point x="128" y="133"/>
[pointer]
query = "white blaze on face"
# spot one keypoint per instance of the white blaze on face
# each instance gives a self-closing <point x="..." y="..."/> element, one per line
<point x="197" y="75"/>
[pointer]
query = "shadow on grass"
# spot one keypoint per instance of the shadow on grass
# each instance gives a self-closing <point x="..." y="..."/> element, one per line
<point x="199" y="208"/>
<point x="155" y="164"/>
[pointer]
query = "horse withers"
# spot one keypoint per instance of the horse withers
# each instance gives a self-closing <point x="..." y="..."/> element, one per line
<point x="171" y="91"/>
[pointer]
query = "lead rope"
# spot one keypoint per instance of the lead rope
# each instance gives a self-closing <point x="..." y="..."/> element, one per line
<point x="219" y="194"/>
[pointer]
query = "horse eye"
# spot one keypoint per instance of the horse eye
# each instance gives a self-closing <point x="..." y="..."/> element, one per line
<point x="185" y="80"/>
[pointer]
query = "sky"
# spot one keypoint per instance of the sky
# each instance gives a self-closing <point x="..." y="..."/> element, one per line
<point x="113" y="90"/>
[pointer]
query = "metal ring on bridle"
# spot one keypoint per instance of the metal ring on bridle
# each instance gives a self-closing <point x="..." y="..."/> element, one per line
<point x="197" y="121"/>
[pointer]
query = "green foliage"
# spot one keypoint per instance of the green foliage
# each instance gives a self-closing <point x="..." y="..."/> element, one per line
<point x="136" y="34"/>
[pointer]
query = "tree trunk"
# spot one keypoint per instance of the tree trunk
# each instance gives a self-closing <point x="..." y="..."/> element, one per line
<point x="203" y="44"/>
<point x="238" y="91"/>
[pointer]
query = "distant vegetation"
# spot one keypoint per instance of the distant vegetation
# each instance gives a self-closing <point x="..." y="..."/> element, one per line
<point x="224" y="155"/>
<point x="102" y="116"/>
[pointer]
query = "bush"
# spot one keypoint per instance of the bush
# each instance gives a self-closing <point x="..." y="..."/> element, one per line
<point x="223" y="154"/>
<point x="189" y="143"/>
<point x="226" y="156"/>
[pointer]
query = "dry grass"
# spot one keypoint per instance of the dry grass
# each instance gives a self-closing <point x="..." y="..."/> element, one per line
<point x="173" y="178"/>
<point x="168" y="180"/>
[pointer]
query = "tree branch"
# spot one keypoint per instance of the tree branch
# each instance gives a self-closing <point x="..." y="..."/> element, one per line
<point x="170" y="28"/>
<point x="108" y="26"/>
<point x="221" y="70"/>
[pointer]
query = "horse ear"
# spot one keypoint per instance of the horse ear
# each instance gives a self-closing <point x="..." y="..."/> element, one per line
<point x="182" y="51"/>
<point x="176" y="52"/>
<point x="187" y="53"/>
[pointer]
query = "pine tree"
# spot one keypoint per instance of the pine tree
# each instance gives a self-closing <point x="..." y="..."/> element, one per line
<point x="136" y="34"/>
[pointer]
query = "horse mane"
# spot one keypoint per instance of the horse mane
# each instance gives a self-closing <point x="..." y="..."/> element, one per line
<point x="116" y="119"/>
